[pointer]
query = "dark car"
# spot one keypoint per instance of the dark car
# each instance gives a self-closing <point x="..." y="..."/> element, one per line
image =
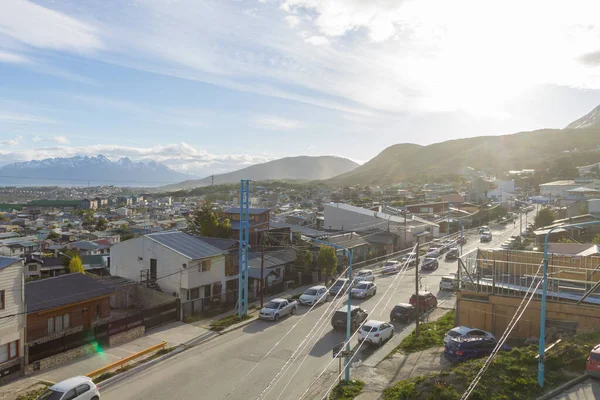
<point x="452" y="254"/>
<point x="340" y="318"/>
<point x="339" y="286"/>
<point x="403" y="312"/>
<point x="425" y="301"/>
<point x="466" y="348"/>
<point x="430" y="264"/>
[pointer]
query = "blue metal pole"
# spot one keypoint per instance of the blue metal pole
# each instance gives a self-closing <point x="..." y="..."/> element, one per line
<point x="349" y="310"/>
<point x="243" y="248"/>
<point x="246" y="243"/>
<point x="542" y="344"/>
<point x="241" y="251"/>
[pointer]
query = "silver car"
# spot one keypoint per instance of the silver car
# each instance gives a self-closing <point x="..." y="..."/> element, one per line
<point x="363" y="290"/>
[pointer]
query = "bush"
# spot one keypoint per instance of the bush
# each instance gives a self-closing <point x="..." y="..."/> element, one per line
<point x="348" y="391"/>
<point x="431" y="335"/>
<point x="225" y="322"/>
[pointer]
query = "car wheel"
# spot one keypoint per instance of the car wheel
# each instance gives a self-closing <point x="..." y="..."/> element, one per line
<point x="293" y="311"/>
<point x="276" y="318"/>
<point x="374" y="292"/>
<point x="95" y="398"/>
<point x="380" y="342"/>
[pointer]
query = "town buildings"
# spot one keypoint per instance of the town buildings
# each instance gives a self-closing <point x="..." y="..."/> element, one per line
<point x="12" y="318"/>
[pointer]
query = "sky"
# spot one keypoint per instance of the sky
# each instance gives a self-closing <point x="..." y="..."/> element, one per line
<point x="209" y="86"/>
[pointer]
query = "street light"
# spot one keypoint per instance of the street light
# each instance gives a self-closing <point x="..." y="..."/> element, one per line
<point x="349" y="310"/>
<point x="542" y="344"/>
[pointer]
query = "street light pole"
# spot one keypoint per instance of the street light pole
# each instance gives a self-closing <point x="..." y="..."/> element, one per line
<point x="349" y="310"/>
<point x="542" y="344"/>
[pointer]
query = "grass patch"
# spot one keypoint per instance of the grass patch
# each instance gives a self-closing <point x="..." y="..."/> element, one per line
<point x="432" y="335"/>
<point x="225" y="322"/>
<point x="296" y="296"/>
<point x="343" y="391"/>
<point x="32" y="394"/>
<point x="511" y="376"/>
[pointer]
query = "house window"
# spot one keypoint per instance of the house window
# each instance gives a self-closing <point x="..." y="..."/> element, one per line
<point x="194" y="293"/>
<point x="66" y="321"/>
<point x="32" y="268"/>
<point x="204" y="266"/>
<point x="50" y="325"/>
<point x="232" y="264"/>
<point x="1" y="299"/>
<point x="9" y="351"/>
<point x="207" y="291"/>
<point x="58" y="323"/>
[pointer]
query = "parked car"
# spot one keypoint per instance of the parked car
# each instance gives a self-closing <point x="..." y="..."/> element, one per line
<point x="461" y="349"/>
<point x="363" y="290"/>
<point x="76" y="388"/>
<point x="391" y="267"/>
<point x="432" y="253"/>
<point x="485" y="237"/>
<point x="484" y="228"/>
<point x="430" y="264"/>
<point x="339" y="286"/>
<point x="465" y="331"/>
<point x="449" y="282"/>
<point x="365" y="275"/>
<point x="592" y="365"/>
<point x="412" y="257"/>
<point x="452" y="254"/>
<point x="340" y="318"/>
<point x="424" y="300"/>
<point x="278" y="308"/>
<point x="375" y="332"/>
<point x="314" y="295"/>
<point x="403" y="312"/>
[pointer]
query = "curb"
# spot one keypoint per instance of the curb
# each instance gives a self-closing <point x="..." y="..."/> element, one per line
<point x="237" y="326"/>
<point x="563" y="387"/>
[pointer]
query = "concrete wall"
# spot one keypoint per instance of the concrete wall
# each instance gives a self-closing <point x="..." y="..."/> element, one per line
<point x="60" y="359"/>
<point x="594" y="206"/>
<point x="493" y="313"/>
<point x="149" y="297"/>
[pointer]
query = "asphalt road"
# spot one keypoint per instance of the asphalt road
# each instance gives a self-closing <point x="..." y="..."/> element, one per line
<point x="220" y="368"/>
<point x="588" y="390"/>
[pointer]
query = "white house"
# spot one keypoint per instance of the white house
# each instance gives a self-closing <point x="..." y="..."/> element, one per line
<point x="12" y="317"/>
<point x="182" y="265"/>
<point x="123" y="211"/>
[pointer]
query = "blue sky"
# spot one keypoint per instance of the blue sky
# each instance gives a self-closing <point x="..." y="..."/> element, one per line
<point x="211" y="86"/>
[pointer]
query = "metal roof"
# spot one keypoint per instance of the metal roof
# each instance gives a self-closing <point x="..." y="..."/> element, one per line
<point x="190" y="246"/>
<point x="7" y="261"/>
<point x="49" y="293"/>
<point x="251" y="211"/>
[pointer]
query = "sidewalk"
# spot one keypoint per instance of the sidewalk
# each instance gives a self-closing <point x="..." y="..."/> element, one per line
<point x="174" y="334"/>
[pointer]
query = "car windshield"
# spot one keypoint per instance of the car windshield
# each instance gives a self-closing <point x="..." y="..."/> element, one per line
<point x="338" y="283"/>
<point x="363" y="273"/>
<point x="272" y="305"/>
<point x="339" y="315"/>
<point x="311" y="292"/>
<point x="453" y="334"/>
<point x="361" y="286"/>
<point x="447" y="280"/>
<point x="595" y="357"/>
<point x="369" y="328"/>
<point x="389" y="264"/>
<point x="399" y="309"/>
<point x="50" y="395"/>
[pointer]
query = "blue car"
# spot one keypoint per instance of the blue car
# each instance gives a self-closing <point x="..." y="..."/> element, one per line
<point x="466" y="348"/>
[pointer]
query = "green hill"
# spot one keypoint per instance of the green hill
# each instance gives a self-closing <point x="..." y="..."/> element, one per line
<point x="493" y="154"/>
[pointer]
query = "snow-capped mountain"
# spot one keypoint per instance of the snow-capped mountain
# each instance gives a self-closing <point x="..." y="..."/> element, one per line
<point x="97" y="170"/>
<point x="589" y="120"/>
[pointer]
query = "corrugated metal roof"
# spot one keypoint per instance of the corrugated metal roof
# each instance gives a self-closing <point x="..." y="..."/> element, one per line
<point x="6" y="261"/>
<point x="188" y="245"/>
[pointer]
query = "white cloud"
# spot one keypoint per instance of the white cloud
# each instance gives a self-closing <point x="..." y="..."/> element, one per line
<point x="275" y="123"/>
<point x="41" y="27"/>
<point x="11" y="142"/>
<point x="317" y="40"/>
<point x="60" y="139"/>
<point x="181" y="157"/>
<point x="18" y="118"/>
<point x="292" y="20"/>
<point x="12" y="58"/>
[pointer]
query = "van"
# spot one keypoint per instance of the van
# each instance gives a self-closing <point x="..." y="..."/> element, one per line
<point x="449" y="283"/>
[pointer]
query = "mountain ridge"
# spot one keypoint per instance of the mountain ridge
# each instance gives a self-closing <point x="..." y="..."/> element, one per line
<point x="307" y="168"/>
<point x="97" y="169"/>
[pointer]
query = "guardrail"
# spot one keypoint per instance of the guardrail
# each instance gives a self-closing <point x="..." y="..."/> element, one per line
<point x="126" y="360"/>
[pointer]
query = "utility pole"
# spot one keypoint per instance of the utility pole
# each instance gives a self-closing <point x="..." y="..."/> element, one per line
<point x="448" y="228"/>
<point x="405" y="211"/>
<point x="520" y="221"/>
<point x="212" y="180"/>
<point x="417" y="331"/>
<point x="262" y="272"/>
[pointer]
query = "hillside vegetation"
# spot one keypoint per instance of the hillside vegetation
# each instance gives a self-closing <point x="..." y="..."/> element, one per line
<point x="494" y="154"/>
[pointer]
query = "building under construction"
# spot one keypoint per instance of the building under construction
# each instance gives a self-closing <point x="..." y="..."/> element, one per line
<point x="494" y="283"/>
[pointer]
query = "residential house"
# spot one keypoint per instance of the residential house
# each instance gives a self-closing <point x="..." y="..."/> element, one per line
<point x="258" y="218"/>
<point x="559" y="189"/>
<point x="12" y="327"/>
<point x="177" y="263"/>
<point x="123" y="212"/>
<point x="355" y="243"/>
<point x="62" y="311"/>
<point x="17" y="247"/>
<point x="277" y="272"/>
<point x="90" y="248"/>
<point x="101" y="202"/>
<point x="37" y="267"/>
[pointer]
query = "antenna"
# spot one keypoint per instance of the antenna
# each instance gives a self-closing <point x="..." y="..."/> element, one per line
<point x="212" y="180"/>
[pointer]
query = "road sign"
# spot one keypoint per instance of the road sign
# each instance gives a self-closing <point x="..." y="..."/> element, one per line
<point x="339" y="353"/>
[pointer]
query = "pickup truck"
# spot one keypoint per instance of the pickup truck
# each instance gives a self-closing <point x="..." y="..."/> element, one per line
<point x="277" y="308"/>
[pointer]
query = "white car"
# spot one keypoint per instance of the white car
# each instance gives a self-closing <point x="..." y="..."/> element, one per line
<point x="76" y="388"/>
<point x="363" y="290"/>
<point x="314" y="295"/>
<point x="465" y="331"/>
<point x="365" y="275"/>
<point x="391" y="267"/>
<point x="375" y="332"/>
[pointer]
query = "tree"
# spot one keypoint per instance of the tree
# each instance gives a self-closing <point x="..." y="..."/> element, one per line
<point x="304" y="259"/>
<point x="327" y="260"/>
<point x="101" y="224"/>
<point x="596" y="239"/>
<point x="544" y="218"/>
<point x="53" y="235"/>
<point x="75" y="265"/>
<point x="566" y="240"/>
<point x="204" y="221"/>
